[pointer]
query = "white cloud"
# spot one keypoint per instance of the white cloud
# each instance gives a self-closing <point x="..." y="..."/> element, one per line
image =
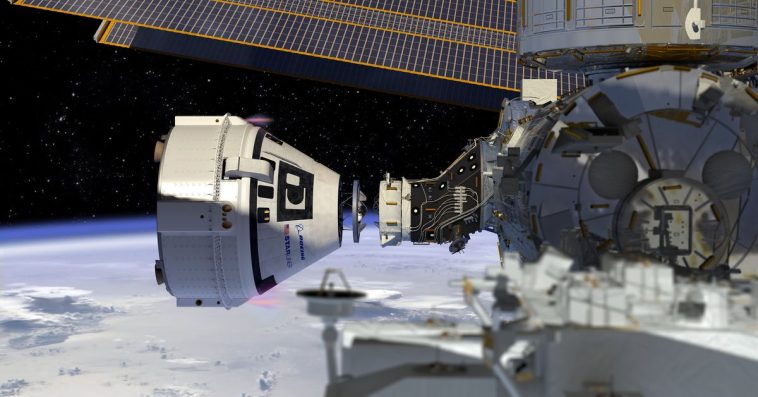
<point x="187" y="361"/>
<point x="34" y="315"/>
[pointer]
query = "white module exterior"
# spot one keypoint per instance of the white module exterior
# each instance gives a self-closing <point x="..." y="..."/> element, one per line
<point x="239" y="211"/>
<point x="539" y="91"/>
<point x="580" y="338"/>
<point x="394" y="212"/>
<point x="596" y="307"/>
<point x="591" y="35"/>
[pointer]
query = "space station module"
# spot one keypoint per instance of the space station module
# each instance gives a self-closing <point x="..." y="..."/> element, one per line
<point x="657" y="157"/>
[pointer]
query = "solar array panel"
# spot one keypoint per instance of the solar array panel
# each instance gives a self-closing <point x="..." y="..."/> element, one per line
<point x="379" y="19"/>
<point x="466" y="42"/>
<point x="117" y="34"/>
<point x="497" y="15"/>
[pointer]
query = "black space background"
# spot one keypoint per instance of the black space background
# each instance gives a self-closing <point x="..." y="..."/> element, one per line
<point x="79" y="120"/>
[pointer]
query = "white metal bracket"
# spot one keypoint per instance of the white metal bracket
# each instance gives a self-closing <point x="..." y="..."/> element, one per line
<point x="693" y="24"/>
<point x="240" y="167"/>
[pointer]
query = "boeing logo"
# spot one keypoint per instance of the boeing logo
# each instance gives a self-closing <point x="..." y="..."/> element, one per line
<point x="300" y="228"/>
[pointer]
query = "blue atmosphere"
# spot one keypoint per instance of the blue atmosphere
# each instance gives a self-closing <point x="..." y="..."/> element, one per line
<point x="57" y="230"/>
<point x="112" y="226"/>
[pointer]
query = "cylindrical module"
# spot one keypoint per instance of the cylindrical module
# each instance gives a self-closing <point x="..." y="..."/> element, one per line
<point x="239" y="211"/>
<point x="597" y="35"/>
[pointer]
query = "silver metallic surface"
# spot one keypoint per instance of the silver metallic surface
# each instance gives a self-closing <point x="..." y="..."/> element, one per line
<point x="596" y="35"/>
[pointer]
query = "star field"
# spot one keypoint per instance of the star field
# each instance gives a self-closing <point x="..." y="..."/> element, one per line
<point x="80" y="120"/>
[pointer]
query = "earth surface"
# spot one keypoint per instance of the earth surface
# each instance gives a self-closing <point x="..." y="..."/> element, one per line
<point x="81" y="314"/>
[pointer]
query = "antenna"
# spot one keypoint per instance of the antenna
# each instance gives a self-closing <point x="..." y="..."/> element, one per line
<point x="330" y="305"/>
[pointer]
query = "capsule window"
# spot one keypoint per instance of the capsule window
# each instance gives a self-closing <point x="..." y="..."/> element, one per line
<point x="266" y="192"/>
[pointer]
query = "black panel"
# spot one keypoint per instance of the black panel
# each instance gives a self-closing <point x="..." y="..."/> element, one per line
<point x="261" y="285"/>
<point x="295" y="199"/>
<point x="319" y="69"/>
<point x="433" y="218"/>
<point x="266" y="192"/>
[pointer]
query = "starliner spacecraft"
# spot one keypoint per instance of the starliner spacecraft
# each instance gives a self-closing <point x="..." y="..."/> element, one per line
<point x="240" y="211"/>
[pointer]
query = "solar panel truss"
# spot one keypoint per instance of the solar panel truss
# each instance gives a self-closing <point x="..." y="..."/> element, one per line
<point x="459" y="52"/>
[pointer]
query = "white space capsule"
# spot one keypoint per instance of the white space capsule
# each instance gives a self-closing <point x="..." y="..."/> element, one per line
<point x="238" y="211"/>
